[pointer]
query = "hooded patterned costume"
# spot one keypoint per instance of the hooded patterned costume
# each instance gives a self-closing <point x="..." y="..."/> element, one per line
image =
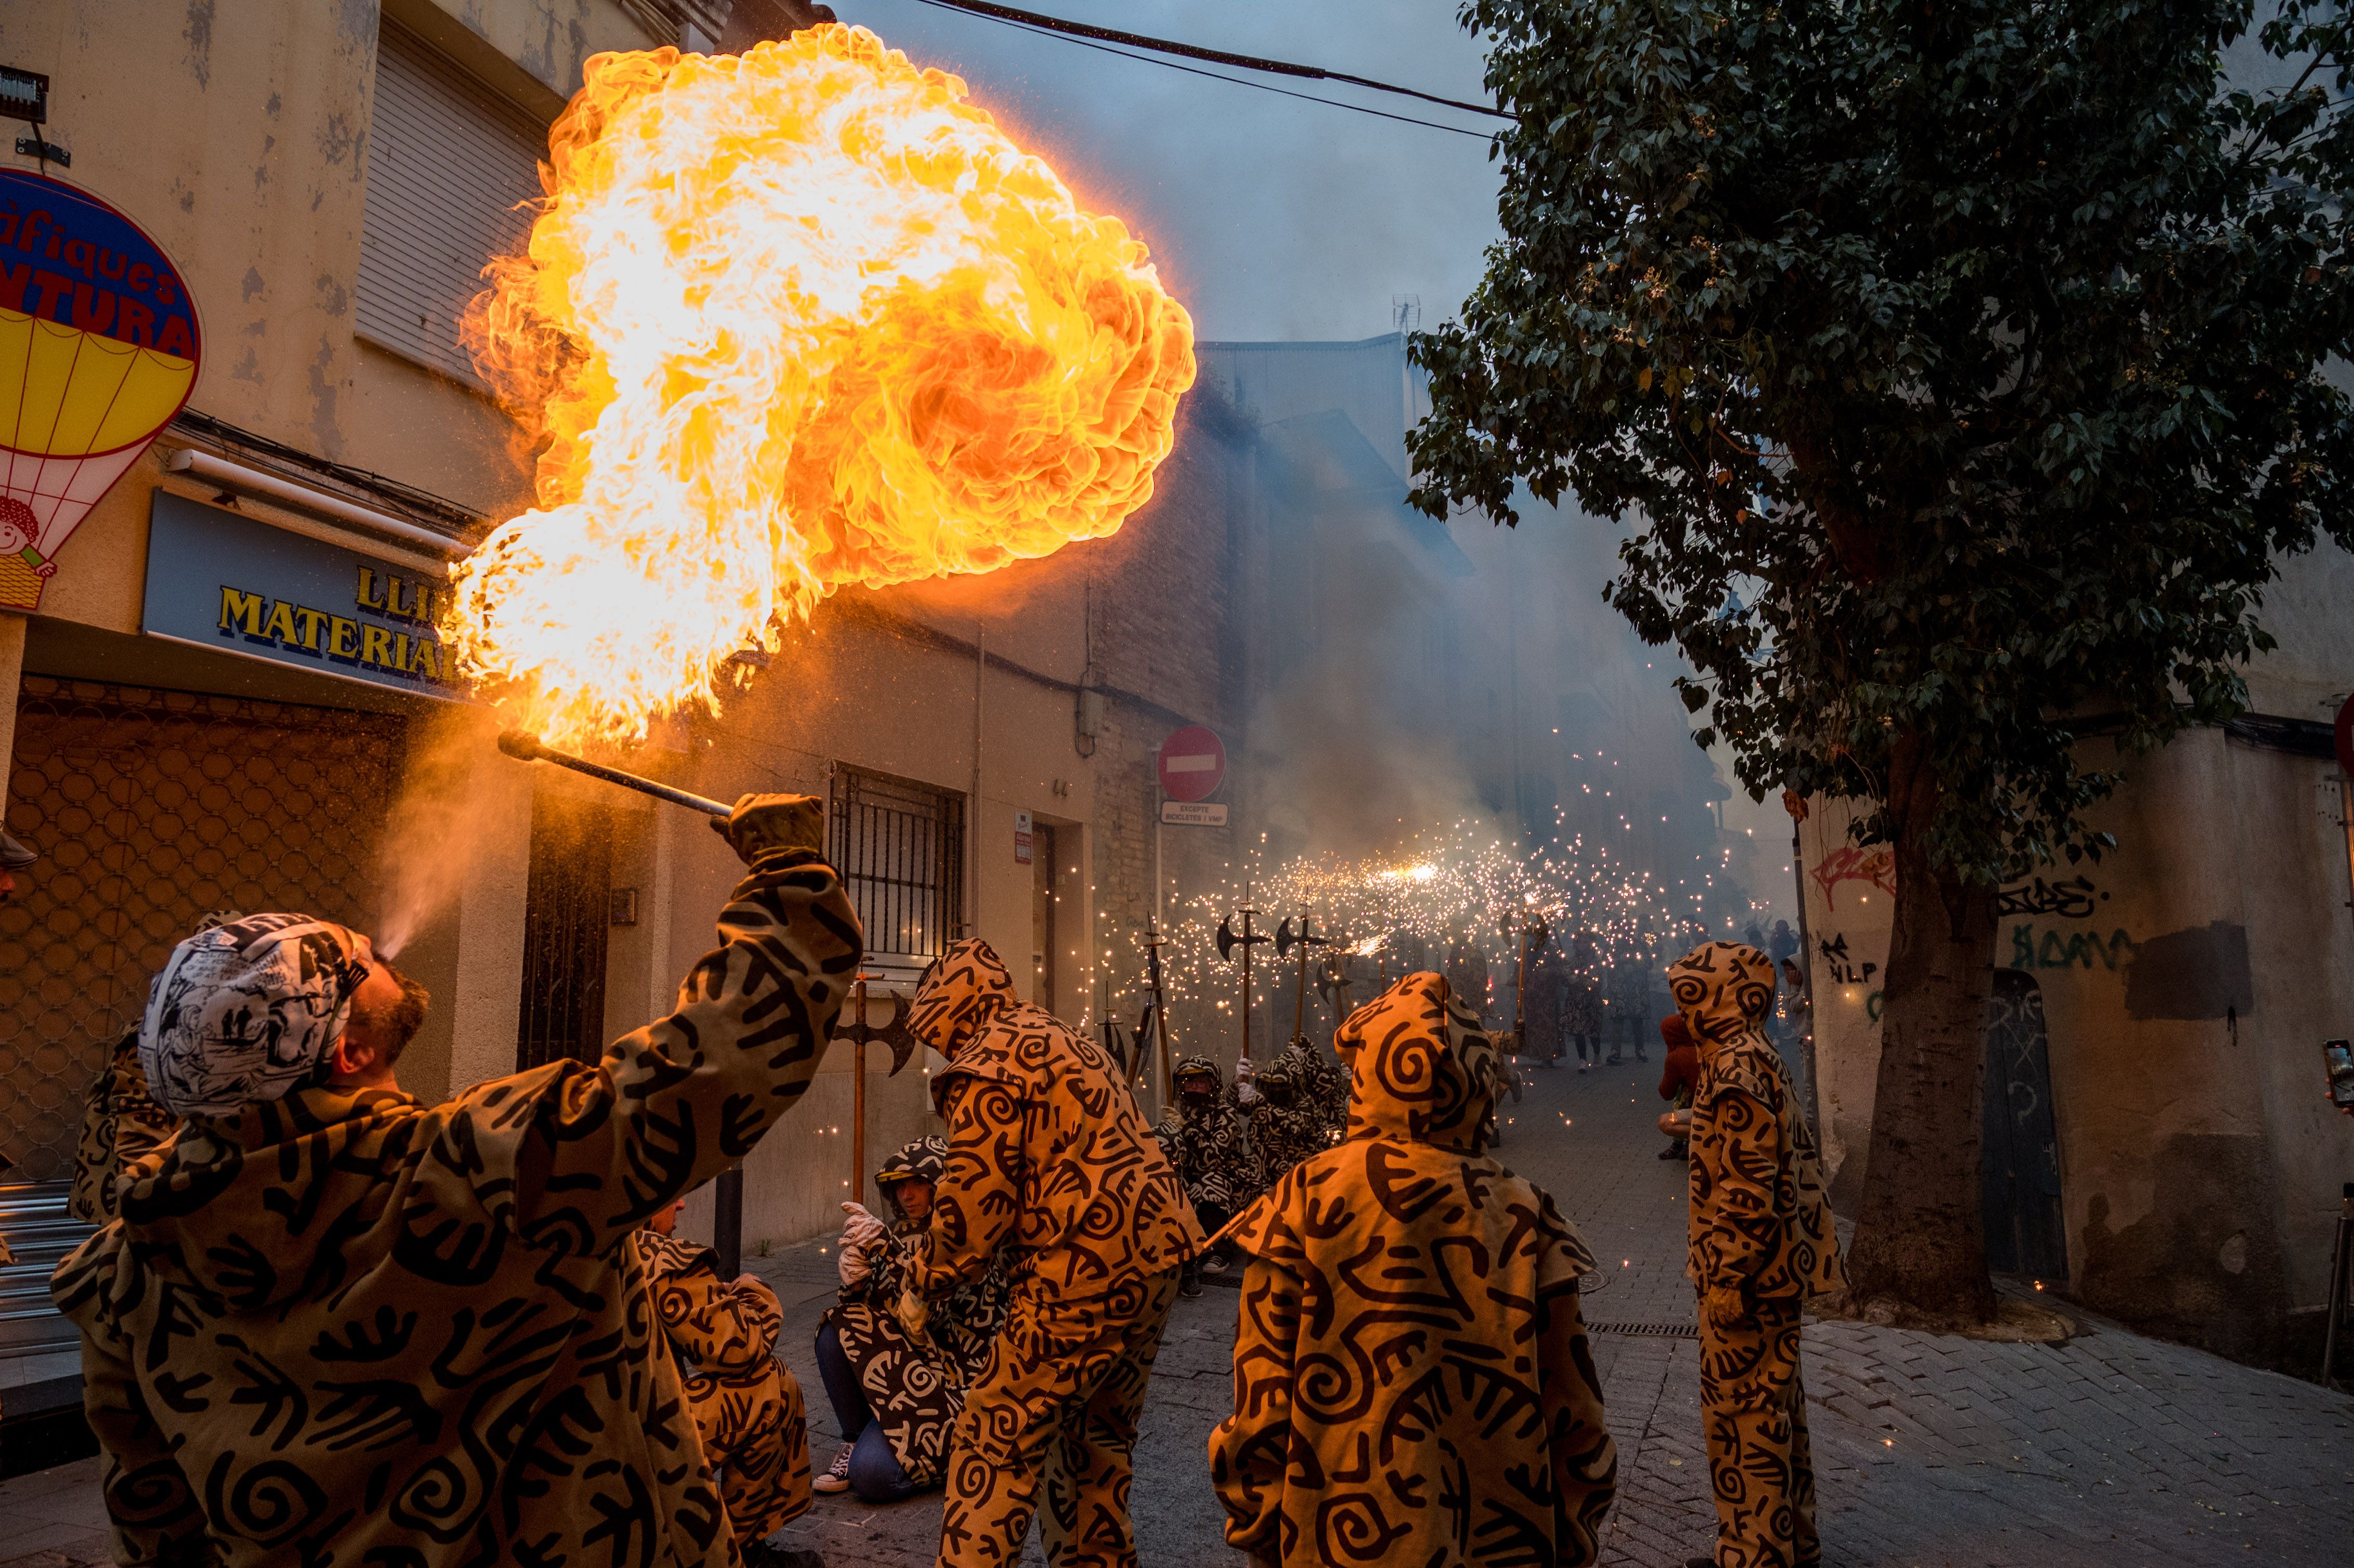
<point x="120" y="1124"/>
<point x="1761" y="1244"/>
<point x="1412" y="1380"/>
<point x="1047" y="1157"/>
<point x="915" y="1357"/>
<point x="747" y="1408"/>
<point x="345" y="1324"/>
<point x="1209" y="1146"/>
<point x="1290" y="1125"/>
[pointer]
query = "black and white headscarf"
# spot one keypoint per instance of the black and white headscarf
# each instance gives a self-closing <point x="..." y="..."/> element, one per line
<point x="248" y="1011"/>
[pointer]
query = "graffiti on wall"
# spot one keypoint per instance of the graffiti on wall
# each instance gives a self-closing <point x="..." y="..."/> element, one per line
<point x="2069" y="950"/>
<point x="1850" y="863"/>
<point x="1844" y="970"/>
<point x="2070" y="900"/>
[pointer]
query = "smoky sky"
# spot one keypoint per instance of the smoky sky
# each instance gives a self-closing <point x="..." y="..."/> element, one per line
<point x="1270" y="217"/>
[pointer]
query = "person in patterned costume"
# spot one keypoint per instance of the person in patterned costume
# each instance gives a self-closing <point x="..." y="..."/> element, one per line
<point x="332" y="1323"/>
<point x="1290" y="1126"/>
<point x="1761" y="1244"/>
<point x="1048" y="1157"/>
<point x="120" y="1124"/>
<point x="747" y="1406"/>
<point x="1206" y="1135"/>
<point x="1440" y="1408"/>
<point x="897" y="1366"/>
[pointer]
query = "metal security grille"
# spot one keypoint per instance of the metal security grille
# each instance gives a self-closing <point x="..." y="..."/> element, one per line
<point x="452" y="170"/>
<point x="150" y="808"/>
<point x="566" y="912"/>
<point x="900" y="846"/>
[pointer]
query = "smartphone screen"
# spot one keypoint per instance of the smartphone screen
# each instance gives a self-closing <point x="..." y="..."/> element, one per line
<point x="2339" y="1056"/>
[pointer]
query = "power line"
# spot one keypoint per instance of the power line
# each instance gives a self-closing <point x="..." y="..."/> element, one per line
<point x="1096" y="37"/>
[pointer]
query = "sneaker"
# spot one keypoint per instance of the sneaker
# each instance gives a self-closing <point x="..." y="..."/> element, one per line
<point x="1673" y="1151"/>
<point x="1188" y="1284"/>
<point x="1213" y="1265"/>
<point x="837" y="1476"/>
<point x="760" y="1555"/>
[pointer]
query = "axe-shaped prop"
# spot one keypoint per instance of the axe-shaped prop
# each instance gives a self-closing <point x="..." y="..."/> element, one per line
<point x="1227" y="942"/>
<point x="858" y="1032"/>
<point x="1284" y="942"/>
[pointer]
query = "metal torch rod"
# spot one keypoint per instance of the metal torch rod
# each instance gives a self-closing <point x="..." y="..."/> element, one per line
<point x="527" y="747"/>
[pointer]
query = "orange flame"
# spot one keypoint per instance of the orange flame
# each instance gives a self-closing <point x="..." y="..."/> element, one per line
<point x="789" y="320"/>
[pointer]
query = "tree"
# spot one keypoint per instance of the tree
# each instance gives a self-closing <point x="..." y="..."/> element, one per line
<point x="1962" y="363"/>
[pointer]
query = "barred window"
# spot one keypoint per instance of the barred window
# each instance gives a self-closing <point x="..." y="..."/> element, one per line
<point x="900" y="846"/>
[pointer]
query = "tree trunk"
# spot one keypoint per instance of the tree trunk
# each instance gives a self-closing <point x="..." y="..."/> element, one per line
<point x="1919" y="1256"/>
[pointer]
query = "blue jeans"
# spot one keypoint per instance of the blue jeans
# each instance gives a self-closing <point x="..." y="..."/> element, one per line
<point x="875" y="1473"/>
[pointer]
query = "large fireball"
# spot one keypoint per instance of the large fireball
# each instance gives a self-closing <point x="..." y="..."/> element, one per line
<point x="789" y="320"/>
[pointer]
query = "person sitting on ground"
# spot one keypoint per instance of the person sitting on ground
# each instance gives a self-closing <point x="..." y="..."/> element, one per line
<point x="1206" y="1137"/>
<point x="895" y="1366"/>
<point x="1679" y="1079"/>
<point x="332" y="1323"/>
<point x="747" y="1406"/>
<point x="1439" y="1403"/>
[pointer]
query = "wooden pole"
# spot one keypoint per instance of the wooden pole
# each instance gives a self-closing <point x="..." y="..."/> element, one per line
<point x="858" y="1095"/>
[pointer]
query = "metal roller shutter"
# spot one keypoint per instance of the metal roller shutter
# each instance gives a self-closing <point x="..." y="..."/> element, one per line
<point x="452" y="169"/>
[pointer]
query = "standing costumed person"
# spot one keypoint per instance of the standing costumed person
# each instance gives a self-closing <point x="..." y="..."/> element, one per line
<point x="420" y="1334"/>
<point x="1581" y="1013"/>
<point x="1548" y="970"/>
<point x="1441" y="1407"/>
<point x="1207" y="1136"/>
<point x="1467" y="973"/>
<point x="1290" y="1126"/>
<point x="1046" y="1156"/>
<point x="1761" y="1244"/>
<point x="746" y="1406"/>
<point x="897" y="1366"/>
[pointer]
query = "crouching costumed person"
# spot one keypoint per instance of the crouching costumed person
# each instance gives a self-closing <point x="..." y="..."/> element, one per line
<point x="1761" y="1244"/>
<point x="897" y="1366"/>
<point x="330" y="1323"/>
<point x="1440" y="1408"/>
<point x="1046" y="1156"/>
<point x="746" y="1405"/>
<point x="1206" y="1137"/>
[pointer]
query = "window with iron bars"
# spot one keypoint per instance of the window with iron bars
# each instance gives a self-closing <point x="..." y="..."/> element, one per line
<point x="900" y="846"/>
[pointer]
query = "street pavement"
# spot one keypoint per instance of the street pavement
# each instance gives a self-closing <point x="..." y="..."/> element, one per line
<point x="1930" y="1452"/>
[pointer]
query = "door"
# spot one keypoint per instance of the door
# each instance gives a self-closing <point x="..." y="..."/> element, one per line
<point x="567" y="909"/>
<point x="1042" y="914"/>
<point x="2022" y="1151"/>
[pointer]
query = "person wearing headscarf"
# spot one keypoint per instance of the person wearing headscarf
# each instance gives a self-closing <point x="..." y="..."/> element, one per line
<point x="1761" y="1243"/>
<point x="747" y="1407"/>
<point x="1206" y="1135"/>
<point x="1290" y="1126"/>
<point x="1046" y="1157"/>
<point x="330" y="1322"/>
<point x="1443" y="1407"/>
<point x="895" y="1366"/>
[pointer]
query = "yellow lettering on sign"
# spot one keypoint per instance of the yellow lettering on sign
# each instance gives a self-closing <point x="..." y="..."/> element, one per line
<point x="425" y="655"/>
<point x="376" y="646"/>
<point x="311" y="620"/>
<point x="281" y="622"/>
<point x="343" y="637"/>
<point x="368" y="595"/>
<point x="240" y="610"/>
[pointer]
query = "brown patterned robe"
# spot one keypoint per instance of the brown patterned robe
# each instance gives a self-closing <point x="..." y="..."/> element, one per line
<point x="1048" y="1157"/>
<point x="1210" y="1146"/>
<point x="747" y="1408"/>
<point x="120" y="1124"/>
<point x="914" y="1377"/>
<point x="351" y="1324"/>
<point x="1761" y="1242"/>
<point x="1412" y="1380"/>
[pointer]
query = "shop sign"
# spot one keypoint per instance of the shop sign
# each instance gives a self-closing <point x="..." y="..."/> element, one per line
<point x="99" y="350"/>
<point x="1021" y="838"/>
<point x="224" y="581"/>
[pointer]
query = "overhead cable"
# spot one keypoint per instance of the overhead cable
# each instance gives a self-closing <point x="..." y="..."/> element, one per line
<point x="1088" y="33"/>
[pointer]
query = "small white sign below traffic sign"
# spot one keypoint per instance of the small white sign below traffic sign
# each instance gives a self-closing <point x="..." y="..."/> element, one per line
<point x="1193" y="813"/>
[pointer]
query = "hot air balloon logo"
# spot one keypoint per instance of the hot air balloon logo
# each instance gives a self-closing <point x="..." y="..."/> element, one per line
<point x="99" y="349"/>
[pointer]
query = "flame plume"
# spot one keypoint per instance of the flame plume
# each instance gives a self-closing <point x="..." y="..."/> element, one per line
<point x="789" y="320"/>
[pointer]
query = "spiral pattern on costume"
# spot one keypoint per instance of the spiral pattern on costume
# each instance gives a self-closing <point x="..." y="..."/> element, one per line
<point x="1351" y="1528"/>
<point x="268" y="1502"/>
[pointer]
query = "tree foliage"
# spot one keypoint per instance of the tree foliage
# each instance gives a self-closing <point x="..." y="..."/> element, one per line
<point x="1961" y="360"/>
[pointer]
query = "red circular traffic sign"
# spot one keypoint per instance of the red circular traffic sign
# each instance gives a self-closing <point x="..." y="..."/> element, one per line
<point x="1193" y="764"/>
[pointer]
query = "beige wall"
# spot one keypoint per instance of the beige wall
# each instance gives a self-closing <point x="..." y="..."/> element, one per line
<point x="2200" y="1162"/>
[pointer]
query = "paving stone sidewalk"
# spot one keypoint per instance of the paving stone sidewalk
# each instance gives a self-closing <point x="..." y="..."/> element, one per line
<point x="1930" y="1452"/>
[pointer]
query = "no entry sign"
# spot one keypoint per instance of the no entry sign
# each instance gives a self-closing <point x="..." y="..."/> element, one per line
<point x="1193" y="764"/>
